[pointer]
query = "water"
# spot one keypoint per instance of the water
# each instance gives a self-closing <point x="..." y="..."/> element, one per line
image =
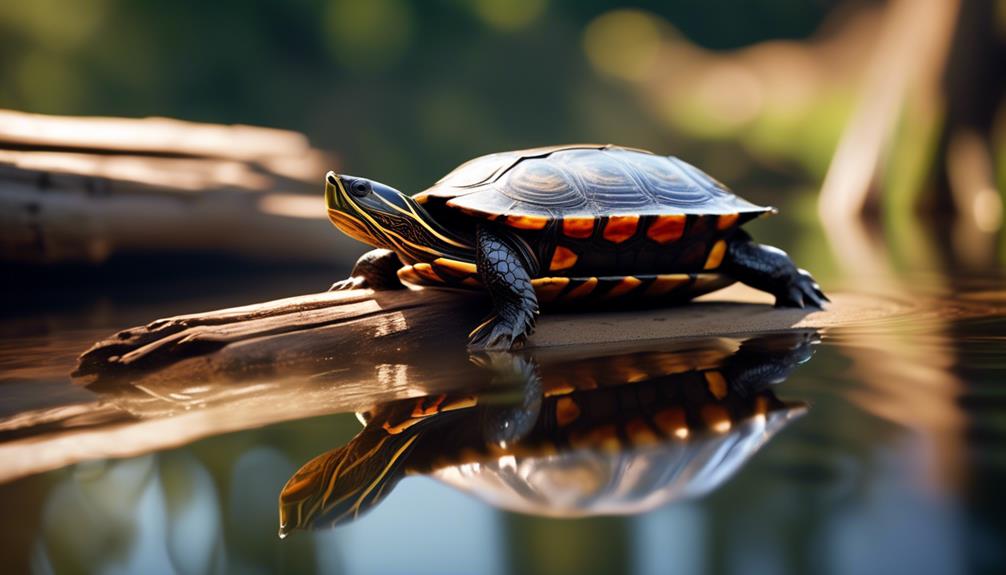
<point x="873" y="447"/>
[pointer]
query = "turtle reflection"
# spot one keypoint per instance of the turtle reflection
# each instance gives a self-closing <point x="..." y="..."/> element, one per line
<point x="618" y="434"/>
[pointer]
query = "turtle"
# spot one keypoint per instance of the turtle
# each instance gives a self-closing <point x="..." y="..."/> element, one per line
<point x="581" y="225"/>
<point x="635" y="430"/>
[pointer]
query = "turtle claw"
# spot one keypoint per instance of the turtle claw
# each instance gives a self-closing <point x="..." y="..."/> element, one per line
<point x="501" y="332"/>
<point x="494" y="334"/>
<point x="352" y="282"/>
<point x="802" y="291"/>
<point x="376" y="270"/>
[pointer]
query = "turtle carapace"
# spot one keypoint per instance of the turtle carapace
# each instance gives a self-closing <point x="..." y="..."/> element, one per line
<point x="564" y="226"/>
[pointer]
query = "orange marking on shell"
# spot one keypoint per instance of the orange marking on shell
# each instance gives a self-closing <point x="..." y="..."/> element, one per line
<point x="562" y="259"/>
<point x="527" y="222"/>
<point x="604" y="437"/>
<point x="548" y="289"/>
<point x="475" y="213"/>
<point x="400" y="427"/>
<point x="716" y="417"/>
<point x="665" y="283"/>
<point x="705" y="283"/>
<point x="545" y="450"/>
<point x="670" y="420"/>
<point x="425" y="270"/>
<point x="454" y="267"/>
<point x="580" y="228"/>
<point x="716" y="255"/>
<point x="460" y="403"/>
<point x="408" y="274"/>
<point x="582" y="290"/>
<point x="717" y="384"/>
<point x="607" y="438"/>
<point x="666" y="229"/>
<point x="422" y="410"/>
<point x="640" y="433"/>
<point x="635" y="375"/>
<point x="468" y="454"/>
<point x="559" y="388"/>
<point x="566" y="411"/>
<point x="624" y="286"/>
<point x="472" y="282"/>
<point x="620" y="228"/>
<point x="726" y="221"/>
<point x="468" y="211"/>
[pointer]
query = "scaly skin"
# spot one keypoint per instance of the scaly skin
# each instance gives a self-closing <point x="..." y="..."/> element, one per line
<point x="509" y="243"/>
<point x="376" y="269"/>
<point x="505" y="275"/>
<point x="770" y="270"/>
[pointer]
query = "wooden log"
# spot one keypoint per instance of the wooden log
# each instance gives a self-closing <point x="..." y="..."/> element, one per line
<point x="78" y="190"/>
<point x="182" y="378"/>
<point x="309" y="335"/>
<point x="150" y="136"/>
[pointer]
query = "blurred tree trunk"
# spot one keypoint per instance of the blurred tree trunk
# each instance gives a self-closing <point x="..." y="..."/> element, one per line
<point x="974" y="82"/>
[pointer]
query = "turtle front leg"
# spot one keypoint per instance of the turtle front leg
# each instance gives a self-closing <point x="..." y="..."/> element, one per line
<point x="770" y="270"/>
<point x="376" y="270"/>
<point x="768" y="359"/>
<point x="512" y="404"/>
<point x="504" y="272"/>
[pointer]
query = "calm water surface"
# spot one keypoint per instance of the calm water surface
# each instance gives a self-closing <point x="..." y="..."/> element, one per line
<point x="875" y="448"/>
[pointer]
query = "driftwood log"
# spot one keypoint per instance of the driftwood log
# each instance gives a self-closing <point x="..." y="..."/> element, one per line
<point x="81" y="190"/>
<point x="182" y="378"/>
<point x="349" y="350"/>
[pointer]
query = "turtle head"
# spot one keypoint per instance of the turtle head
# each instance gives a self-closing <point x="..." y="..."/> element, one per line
<point x="364" y="209"/>
<point x="337" y="486"/>
<point x="382" y="216"/>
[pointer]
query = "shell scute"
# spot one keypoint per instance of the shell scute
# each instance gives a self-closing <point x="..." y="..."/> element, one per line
<point x="582" y="181"/>
<point x="539" y="183"/>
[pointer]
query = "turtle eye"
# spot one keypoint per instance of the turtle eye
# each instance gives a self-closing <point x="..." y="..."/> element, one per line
<point x="360" y="188"/>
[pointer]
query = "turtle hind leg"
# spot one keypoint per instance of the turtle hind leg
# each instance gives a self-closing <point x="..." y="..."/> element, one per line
<point x="770" y="270"/>
<point x="376" y="270"/>
<point x="505" y="274"/>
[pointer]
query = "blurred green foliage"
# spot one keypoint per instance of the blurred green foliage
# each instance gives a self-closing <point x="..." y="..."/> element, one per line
<point x="402" y="90"/>
<point x="757" y="93"/>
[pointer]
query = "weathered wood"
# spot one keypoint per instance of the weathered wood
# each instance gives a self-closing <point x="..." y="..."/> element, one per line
<point x="160" y="136"/>
<point x="203" y="374"/>
<point x="344" y="326"/>
<point x="85" y="189"/>
<point x="361" y="328"/>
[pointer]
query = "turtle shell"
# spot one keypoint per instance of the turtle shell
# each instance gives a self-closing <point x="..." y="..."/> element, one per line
<point x="597" y="210"/>
<point x="582" y="180"/>
<point x="615" y="482"/>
